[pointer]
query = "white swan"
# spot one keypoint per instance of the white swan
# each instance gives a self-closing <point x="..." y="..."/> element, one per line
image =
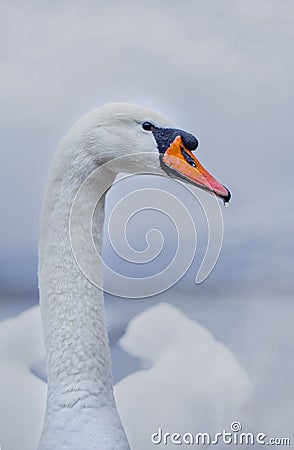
<point x="81" y="410"/>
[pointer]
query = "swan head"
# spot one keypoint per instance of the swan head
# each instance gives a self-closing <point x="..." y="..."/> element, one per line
<point x="150" y="140"/>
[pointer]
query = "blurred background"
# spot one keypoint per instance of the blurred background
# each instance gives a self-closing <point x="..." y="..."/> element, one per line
<point x="222" y="70"/>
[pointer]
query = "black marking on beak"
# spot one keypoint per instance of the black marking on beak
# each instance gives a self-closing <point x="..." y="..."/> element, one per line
<point x="228" y="197"/>
<point x="188" y="157"/>
<point x="165" y="136"/>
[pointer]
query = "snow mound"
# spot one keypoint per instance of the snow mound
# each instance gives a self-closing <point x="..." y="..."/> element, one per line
<point x="22" y="395"/>
<point x="191" y="383"/>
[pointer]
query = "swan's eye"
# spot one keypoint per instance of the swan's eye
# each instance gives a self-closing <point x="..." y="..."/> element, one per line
<point x="147" y="126"/>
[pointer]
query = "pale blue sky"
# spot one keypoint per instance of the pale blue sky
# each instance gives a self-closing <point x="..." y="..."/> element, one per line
<point x="223" y="71"/>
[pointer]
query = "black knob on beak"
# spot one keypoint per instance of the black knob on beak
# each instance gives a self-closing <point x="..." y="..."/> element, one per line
<point x="189" y="141"/>
<point x="165" y="136"/>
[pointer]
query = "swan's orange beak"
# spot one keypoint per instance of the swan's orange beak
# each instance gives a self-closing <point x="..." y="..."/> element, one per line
<point x="183" y="164"/>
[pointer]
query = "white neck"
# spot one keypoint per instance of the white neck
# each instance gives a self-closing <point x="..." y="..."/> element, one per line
<point x="81" y="410"/>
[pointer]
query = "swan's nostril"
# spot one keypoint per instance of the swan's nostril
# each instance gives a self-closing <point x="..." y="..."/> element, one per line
<point x="188" y="158"/>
